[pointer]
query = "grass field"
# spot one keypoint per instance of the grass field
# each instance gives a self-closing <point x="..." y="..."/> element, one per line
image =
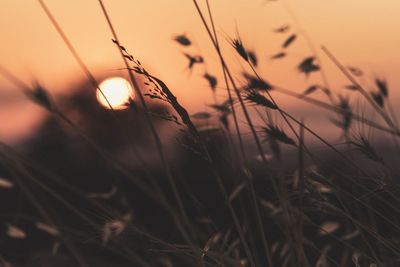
<point x="243" y="182"/>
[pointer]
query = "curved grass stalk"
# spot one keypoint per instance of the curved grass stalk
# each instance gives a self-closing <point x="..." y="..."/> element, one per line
<point x="311" y="45"/>
<point x="153" y="130"/>
<point x="227" y="74"/>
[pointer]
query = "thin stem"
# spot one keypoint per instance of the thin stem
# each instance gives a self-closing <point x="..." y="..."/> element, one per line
<point x="150" y="123"/>
<point x="360" y="88"/>
<point x="334" y="109"/>
<point x="312" y="48"/>
<point x="228" y="89"/>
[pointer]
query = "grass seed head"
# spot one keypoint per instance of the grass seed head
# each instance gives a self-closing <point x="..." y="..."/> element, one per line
<point x="278" y="55"/>
<point x="282" y="29"/>
<point x="289" y="41"/>
<point x="364" y="146"/>
<point x="253" y="58"/>
<point x="238" y="45"/>
<point x="212" y="81"/>
<point x="308" y="66"/>
<point x="378" y="98"/>
<point x="182" y="40"/>
<point x="382" y="86"/>
<point x="258" y="99"/>
<point x="273" y="131"/>
<point x="254" y="82"/>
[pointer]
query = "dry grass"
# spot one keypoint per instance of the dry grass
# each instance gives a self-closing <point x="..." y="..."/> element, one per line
<point x="220" y="207"/>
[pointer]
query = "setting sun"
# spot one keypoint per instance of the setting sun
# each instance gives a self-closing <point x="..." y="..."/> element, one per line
<point x="115" y="91"/>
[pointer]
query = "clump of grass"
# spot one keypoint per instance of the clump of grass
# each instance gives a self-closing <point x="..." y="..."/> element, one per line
<point x="364" y="146"/>
<point x="274" y="132"/>
<point x="346" y="115"/>
<point x="258" y="99"/>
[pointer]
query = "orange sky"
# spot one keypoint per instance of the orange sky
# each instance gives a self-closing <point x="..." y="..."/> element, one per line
<point x="360" y="32"/>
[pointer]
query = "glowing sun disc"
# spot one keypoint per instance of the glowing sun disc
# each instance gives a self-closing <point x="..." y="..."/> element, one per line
<point x="117" y="92"/>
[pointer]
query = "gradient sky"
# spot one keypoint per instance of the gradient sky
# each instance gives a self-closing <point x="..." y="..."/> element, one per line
<point x="361" y="33"/>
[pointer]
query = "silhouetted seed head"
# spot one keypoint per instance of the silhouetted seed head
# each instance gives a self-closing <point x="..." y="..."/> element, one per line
<point x="355" y="71"/>
<point x="258" y="99"/>
<point x="212" y="81"/>
<point x="182" y="40"/>
<point x="120" y="46"/>
<point x="364" y="146"/>
<point x="193" y="60"/>
<point x="311" y="89"/>
<point x="346" y="115"/>
<point x="41" y="97"/>
<point x="201" y="115"/>
<point x="278" y="55"/>
<point x="238" y="45"/>
<point x="221" y="108"/>
<point x="125" y="52"/>
<point x="307" y="66"/>
<point x="326" y="90"/>
<point x="344" y="103"/>
<point x="282" y="29"/>
<point x="352" y="87"/>
<point x="256" y="83"/>
<point x="253" y="58"/>
<point x="224" y="120"/>
<point x="275" y="147"/>
<point x="289" y="40"/>
<point x="166" y="116"/>
<point x="378" y="98"/>
<point x="275" y="132"/>
<point x="382" y="86"/>
<point x="224" y="109"/>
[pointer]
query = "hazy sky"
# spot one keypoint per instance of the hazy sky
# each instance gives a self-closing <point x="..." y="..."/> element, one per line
<point x="363" y="33"/>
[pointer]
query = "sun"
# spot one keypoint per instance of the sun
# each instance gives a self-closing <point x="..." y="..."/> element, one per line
<point x="115" y="91"/>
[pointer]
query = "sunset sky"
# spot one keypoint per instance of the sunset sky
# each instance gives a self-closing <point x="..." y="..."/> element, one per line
<point x="361" y="33"/>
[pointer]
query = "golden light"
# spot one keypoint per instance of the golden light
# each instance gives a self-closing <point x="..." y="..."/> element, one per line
<point x="117" y="90"/>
